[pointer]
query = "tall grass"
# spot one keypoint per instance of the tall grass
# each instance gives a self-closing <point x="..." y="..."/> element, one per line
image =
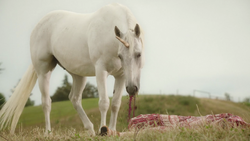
<point x="204" y="132"/>
<point x="67" y="125"/>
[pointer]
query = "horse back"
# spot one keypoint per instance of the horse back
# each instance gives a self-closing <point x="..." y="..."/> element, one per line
<point x="83" y="39"/>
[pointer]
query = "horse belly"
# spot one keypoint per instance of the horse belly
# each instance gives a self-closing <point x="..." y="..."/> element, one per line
<point x="74" y="57"/>
<point x="76" y="63"/>
<point x="84" y="70"/>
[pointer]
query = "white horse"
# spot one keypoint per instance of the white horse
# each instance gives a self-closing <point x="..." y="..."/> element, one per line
<point x="84" y="45"/>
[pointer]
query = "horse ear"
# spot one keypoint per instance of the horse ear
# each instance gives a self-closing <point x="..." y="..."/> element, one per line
<point x="117" y="31"/>
<point x="137" y="30"/>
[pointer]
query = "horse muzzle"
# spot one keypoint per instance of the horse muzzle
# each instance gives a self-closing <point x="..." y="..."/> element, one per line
<point x="132" y="90"/>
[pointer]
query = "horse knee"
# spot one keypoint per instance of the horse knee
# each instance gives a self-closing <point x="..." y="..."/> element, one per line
<point x="46" y="104"/>
<point x="75" y="101"/>
<point x="104" y="104"/>
<point x="115" y="106"/>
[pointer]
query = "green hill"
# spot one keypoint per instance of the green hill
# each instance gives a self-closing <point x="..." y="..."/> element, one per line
<point x="34" y="115"/>
<point x="64" y="115"/>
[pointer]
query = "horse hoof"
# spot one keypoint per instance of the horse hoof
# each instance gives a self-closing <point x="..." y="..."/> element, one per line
<point x="104" y="131"/>
<point x="91" y="133"/>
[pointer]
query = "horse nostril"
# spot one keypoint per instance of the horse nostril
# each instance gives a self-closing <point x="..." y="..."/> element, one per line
<point x="127" y="88"/>
<point x="136" y="89"/>
<point x="132" y="90"/>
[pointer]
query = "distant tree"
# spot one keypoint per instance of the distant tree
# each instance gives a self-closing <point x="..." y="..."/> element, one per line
<point x="227" y="96"/>
<point x="90" y="91"/>
<point x="247" y="100"/>
<point x="29" y="101"/>
<point x="1" y="69"/>
<point x="62" y="93"/>
<point x="2" y="100"/>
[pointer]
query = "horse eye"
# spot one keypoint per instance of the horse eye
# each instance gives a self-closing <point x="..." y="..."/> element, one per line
<point x="120" y="56"/>
<point x="138" y="55"/>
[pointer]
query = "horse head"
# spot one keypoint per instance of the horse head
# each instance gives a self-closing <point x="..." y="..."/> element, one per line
<point x="131" y="55"/>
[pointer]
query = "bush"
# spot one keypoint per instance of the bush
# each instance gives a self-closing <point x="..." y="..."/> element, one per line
<point x="30" y="103"/>
<point x="2" y="100"/>
<point x="62" y="93"/>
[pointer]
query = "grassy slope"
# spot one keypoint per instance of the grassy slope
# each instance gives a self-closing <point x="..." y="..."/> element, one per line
<point x="67" y="125"/>
<point x="64" y="115"/>
<point x="34" y="115"/>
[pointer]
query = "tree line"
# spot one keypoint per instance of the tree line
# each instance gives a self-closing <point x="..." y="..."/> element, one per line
<point x="61" y="93"/>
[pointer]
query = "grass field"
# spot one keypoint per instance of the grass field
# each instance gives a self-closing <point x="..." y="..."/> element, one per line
<point x="66" y="124"/>
<point x="34" y="115"/>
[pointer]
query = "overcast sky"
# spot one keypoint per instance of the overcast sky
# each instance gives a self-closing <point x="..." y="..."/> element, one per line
<point x="189" y="44"/>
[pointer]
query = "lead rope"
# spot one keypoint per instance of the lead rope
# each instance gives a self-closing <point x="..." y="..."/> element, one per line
<point x="130" y="107"/>
<point x="134" y="107"/>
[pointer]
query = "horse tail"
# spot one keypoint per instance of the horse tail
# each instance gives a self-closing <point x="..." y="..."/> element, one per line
<point x="12" y="109"/>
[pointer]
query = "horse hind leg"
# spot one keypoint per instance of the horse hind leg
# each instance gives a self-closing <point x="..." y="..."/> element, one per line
<point x="44" y="70"/>
<point x="43" y="81"/>
<point x="75" y="97"/>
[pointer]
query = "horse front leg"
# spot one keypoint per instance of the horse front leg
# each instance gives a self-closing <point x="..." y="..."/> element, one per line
<point x="116" y="101"/>
<point x="101" y="76"/>
<point x="75" y="97"/>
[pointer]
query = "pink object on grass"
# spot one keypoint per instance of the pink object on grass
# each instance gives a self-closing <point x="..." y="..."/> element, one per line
<point x="169" y="121"/>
